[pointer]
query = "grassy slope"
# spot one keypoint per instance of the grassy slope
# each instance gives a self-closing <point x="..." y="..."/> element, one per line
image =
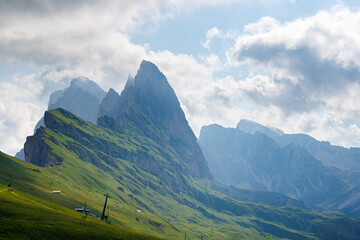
<point x="162" y="214"/>
<point x="40" y="182"/>
<point x="23" y="216"/>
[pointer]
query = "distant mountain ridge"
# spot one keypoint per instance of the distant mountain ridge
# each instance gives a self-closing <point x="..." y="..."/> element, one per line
<point x="258" y="162"/>
<point x="329" y="155"/>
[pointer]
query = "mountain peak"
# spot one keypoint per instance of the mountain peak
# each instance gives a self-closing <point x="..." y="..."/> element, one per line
<point x="87" y="85"/>
<point x="112" y="91"/>
<point x="108" y="105"/>
<point x="148" y="66"/>
<point x="150" y="105"/>
<point x="79" y="80"/>
<point x="130" y="82"/>
<point x="149" y="74"/>
<point x="82" y="82"/>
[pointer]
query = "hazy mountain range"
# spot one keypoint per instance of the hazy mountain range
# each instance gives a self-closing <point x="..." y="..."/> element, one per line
<point x="329" y="155"/>
<point x="256" y="157"/>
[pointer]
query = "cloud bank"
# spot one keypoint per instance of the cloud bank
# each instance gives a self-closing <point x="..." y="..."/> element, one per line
<point x="314" y="68"/>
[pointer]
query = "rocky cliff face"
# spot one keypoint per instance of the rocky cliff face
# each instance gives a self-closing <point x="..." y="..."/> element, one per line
<point x="257" y="162"/>
<point x="149" y="104"/>
<point x="37" y="151"/>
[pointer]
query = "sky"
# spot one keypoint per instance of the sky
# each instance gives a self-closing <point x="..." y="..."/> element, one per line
<point x="290" y="64"/>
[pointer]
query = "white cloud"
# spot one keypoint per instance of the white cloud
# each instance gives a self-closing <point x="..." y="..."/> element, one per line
<point x="210" y="34"/>
<point x="17" y="116"/>
<point x="265" y="24"/>
<point x="216" y="33"/>
<point x="89" y="38"/>
<point x="315" y="68"/>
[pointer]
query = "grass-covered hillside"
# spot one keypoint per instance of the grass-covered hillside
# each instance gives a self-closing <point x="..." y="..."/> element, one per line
<point x="88" y="161"/>
<point x="23" y="216"/>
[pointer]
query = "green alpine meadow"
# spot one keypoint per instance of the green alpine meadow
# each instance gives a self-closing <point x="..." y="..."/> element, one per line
<point x="143" y="157"/>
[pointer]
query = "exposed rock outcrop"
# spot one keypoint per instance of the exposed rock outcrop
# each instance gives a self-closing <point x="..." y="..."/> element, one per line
<point x="37" y="151"/>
